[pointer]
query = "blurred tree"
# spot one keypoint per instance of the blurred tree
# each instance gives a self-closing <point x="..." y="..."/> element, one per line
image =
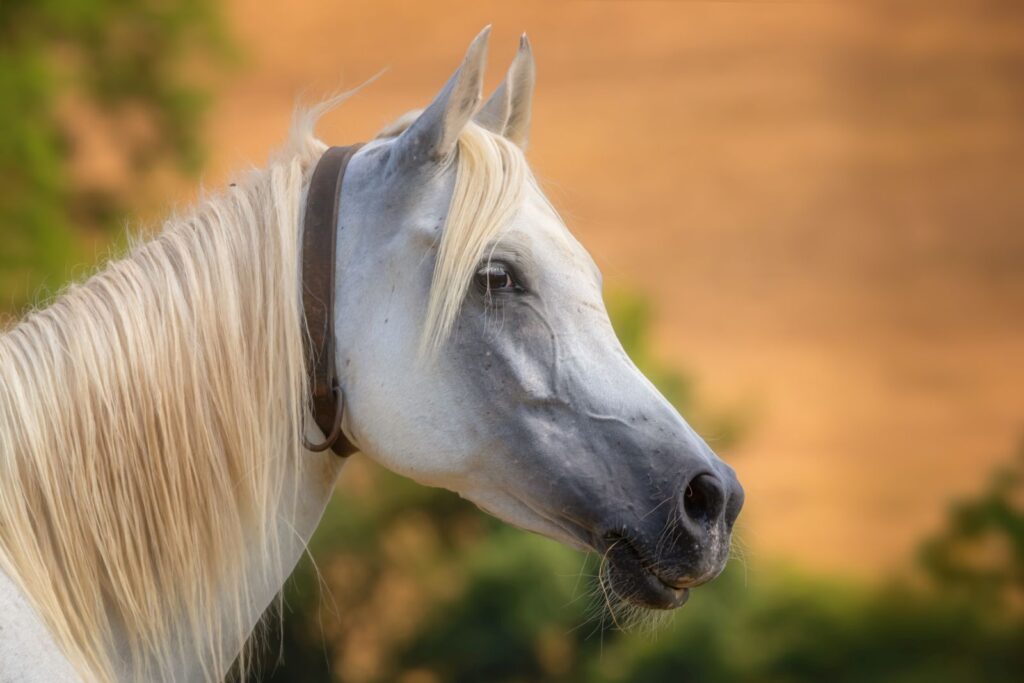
<point x="130" y="60"/>
<point x="980" y="555"/>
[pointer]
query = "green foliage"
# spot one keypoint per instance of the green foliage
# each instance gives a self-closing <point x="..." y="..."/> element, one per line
<point x="980" y="556"/>
<point x="129" y="59"/>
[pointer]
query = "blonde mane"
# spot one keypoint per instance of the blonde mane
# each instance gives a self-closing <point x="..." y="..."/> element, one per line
<point x="144" y="430"/>
<point x="148" y="415"/>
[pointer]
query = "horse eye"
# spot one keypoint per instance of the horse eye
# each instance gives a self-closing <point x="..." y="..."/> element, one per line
<point x="495" y="277"/>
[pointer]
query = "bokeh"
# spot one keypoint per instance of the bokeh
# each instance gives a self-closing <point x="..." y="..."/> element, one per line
<point x="810" y="217"/>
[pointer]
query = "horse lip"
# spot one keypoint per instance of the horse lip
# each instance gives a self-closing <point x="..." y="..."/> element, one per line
<point x="678" y="597"/>
<point x="644" y="587"/>
<point x="661" y="593"/>
<point x="679" y="584"/>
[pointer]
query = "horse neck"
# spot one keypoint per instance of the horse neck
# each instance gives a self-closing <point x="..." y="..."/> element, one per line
<point x="152" y="486"/>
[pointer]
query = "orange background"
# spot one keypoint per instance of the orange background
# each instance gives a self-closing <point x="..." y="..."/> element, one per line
<point x="822" y="199"/>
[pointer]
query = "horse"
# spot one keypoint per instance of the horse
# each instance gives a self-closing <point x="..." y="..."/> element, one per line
<point x="158" y="479"/>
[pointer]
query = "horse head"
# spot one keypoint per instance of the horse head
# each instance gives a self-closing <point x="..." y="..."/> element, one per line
<point x="476" y="353"/>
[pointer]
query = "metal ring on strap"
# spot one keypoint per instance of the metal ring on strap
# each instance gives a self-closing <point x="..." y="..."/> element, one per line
<point x="332" y="438"/>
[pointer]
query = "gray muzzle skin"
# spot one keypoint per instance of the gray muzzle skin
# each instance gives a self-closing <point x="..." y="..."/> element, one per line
<point x="660" y="512"/>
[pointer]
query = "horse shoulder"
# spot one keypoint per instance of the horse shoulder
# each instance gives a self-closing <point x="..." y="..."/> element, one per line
<point x="28" y="653"/>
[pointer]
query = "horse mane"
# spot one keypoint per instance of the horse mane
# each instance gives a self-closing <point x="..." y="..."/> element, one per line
<point x="147" y="416"/>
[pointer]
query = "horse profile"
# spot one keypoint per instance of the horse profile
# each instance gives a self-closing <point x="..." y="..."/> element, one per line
<point x="155" y="490"/>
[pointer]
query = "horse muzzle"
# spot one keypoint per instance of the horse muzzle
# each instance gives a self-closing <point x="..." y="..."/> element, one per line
<point x="655" y="565"/>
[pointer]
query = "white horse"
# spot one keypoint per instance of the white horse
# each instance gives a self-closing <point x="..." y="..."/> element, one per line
<point x="154" y="490"/>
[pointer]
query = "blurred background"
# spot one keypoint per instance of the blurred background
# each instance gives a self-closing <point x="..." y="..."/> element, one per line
<point x="810" y="216"/>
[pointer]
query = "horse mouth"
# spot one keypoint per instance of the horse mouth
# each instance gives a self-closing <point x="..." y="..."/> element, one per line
<point x="635" y="581"/>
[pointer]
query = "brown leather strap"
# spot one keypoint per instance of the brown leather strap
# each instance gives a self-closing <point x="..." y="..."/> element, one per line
<point x="319" y="239"/>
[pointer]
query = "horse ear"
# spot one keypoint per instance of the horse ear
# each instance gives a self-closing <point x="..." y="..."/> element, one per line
<point x="507" y="112"/>
<point x="433" y="135"/>
<point x="522" y="76"/>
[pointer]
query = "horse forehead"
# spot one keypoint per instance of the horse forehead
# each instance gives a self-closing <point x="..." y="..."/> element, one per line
<point x="550" y="241"/>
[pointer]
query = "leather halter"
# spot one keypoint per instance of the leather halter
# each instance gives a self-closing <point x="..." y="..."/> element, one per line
<point x="319" y="239"/>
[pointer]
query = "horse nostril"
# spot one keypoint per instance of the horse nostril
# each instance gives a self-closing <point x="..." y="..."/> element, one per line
<point x="704" y="499"/>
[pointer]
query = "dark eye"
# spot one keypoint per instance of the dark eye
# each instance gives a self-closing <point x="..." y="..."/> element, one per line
<point x="495" y="277"/>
